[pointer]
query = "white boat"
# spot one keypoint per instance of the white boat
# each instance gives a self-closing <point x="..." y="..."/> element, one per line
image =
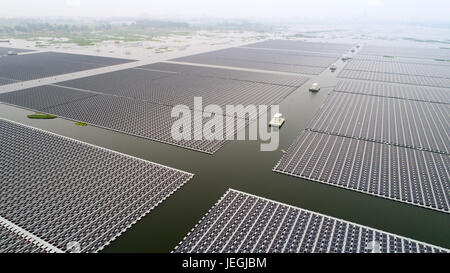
<point x="315" y="87"/>
<point x="277" y="120"/>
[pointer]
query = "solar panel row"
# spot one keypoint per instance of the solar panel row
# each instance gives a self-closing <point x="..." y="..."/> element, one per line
<point x="230" y="74"/>
<point x="435" y="71"/>
<point x="172" y="89"/>
<point x="418" y="93"/>
<point x="243" y="223"/>
<point x="405" y="123"/>
<point x="4" y="50"/>
<point x="143" y="119"/>
<point x="6" y="81"/>
<point x="382" y="139"/>
<point x="267" y="59"/>
<point x="62" y="190"/>
<point x="210" y="59"/>
<point x="47" y="64"/>
<point x="402" y="174"/>
<point x="140" y="101"/>
<point x="392" y="59"/>
<point x="43" y="97"/>
<point x="135" y="117"/>
<point x="425" y="53"/>
<point x="395" y="78"/>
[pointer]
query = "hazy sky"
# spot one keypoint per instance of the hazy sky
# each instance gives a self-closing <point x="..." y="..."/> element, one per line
<point x="423" y="10"/>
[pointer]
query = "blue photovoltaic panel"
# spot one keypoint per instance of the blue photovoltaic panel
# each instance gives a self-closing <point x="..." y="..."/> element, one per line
<point x="402" y="174"/>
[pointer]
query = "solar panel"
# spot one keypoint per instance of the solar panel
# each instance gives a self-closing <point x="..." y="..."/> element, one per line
<point x="417" y="93"/>
<point x="139" y="118"/>
<point x="212" y="60"/>
<point x="426" y="53"/>
<point x="230" y="74"/>
<point x="388" y="67"/>
<point x="435" y="71"/>
<point x="4" y="50"/>
<point x="401" y="60"/>
<point x="327" y="48"/>
<point x="405" y="123"/>
<point x="244" y="223"/>
<point x="43" y="97"/>
<point x="178" y="88"/>
<point x="387" y="140"/>
<point x="401" y="174"/>
<point x="6" y="81"/>
<point x="303" y="63"/>
<point x="47" y="64"/>
<point x="395" y="78"/>
<point x="62" y="190"/>
<point x="139" y="101"/>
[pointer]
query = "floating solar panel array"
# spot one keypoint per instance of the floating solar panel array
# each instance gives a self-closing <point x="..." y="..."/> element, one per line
<point x="244" y="223"/>
<point x="4" y="50"/>
<point x="392" y="59"/>
<point x="403" y="174"/>
<point x="436" y="71"/>
<point x="386" y="140"/>
<point x="395" y="78"/>
<point x="46" y="64"/>
<point x="324" y="48"/>
<point x="126" y="115"/>
<point x="140" y="101"/>
<point x="171" y="89"/>
<point x="427" y="67"/>
<point x="276" y="60"/>
<point x="418" y="93"/>
<point x="229" y="74"/>
<point x="62" y="190"/>
<point x="43" y="97"/>
<point x="143" y="119"/>
<point x="404" y="123"/>
<point x="6" y="81"/>
<point x="442" y="80"/>
<point x="423" y="53"/>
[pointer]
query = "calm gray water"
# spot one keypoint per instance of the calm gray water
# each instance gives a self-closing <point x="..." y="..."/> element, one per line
<point x="242" y="166"/>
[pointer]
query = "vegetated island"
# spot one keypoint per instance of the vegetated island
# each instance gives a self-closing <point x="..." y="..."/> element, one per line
<point x="38" y="115"/>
